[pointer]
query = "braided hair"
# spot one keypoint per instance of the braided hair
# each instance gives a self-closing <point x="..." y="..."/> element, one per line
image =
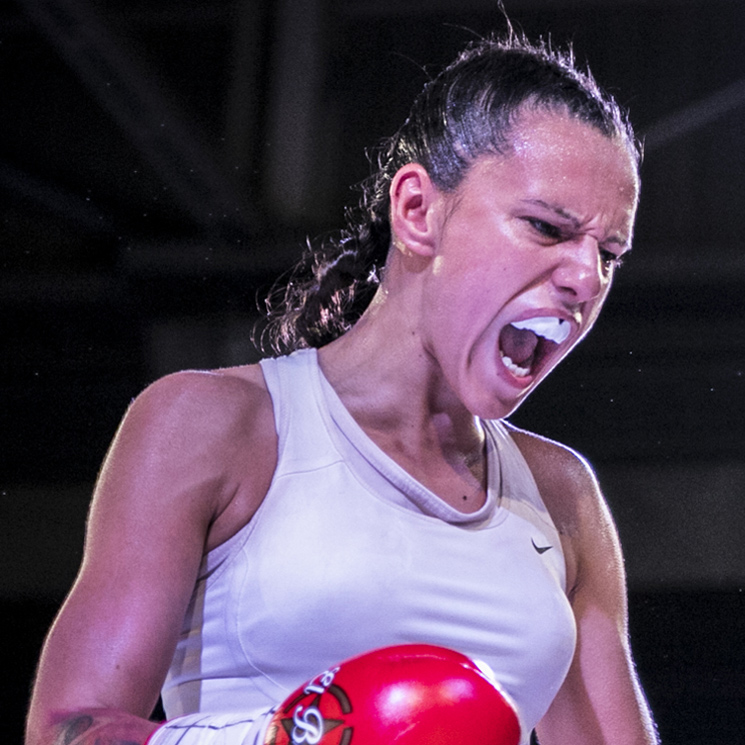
<point x="466" y="111"/>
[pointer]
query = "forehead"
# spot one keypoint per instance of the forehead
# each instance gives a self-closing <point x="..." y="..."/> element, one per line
<point x="564" y="162"/>
<point x="548" y="133"/>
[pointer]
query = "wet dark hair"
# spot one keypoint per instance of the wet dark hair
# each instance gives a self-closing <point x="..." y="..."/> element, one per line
<point x="466" y="111"/>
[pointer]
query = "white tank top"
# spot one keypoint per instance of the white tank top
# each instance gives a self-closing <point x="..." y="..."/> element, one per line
<point x="349" y="553"/>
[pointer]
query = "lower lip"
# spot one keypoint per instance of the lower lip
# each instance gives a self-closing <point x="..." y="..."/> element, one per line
<point x="516" y="381"/>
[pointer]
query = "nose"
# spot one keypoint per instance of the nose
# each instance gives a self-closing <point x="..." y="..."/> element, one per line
<point x="579" y="275"/>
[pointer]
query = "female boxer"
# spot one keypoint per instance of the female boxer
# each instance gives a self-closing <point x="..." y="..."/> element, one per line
<point x="253" y="527"/>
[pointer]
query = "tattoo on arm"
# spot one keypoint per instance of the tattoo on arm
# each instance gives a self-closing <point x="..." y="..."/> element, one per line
<point x="85" y="730"/>
<point x="74" y="729"/>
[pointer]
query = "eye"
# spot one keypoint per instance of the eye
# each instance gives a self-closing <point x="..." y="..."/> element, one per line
<point x="609" y="259"/>
<point x="546" y="229"/>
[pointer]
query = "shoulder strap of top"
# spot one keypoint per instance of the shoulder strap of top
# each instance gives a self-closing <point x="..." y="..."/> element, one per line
<point x="520" y="494"/>
<point x="300" y="416"/>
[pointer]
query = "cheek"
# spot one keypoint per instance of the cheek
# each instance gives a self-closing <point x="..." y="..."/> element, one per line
<point x="459" y="305"/>
<point x="451" y="283"/>
<point x="476" y="270"/>
<point x="476" y="273"/>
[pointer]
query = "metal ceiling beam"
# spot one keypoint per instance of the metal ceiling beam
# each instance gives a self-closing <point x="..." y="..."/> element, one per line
<point x="294" y="108"/>
<point x="695" y="116"/>
<point x="162" y="137"/>
<point x="243" y="110"/>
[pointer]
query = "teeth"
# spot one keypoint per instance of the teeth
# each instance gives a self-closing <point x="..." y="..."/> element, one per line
<point x="551" y="328"/>
<point x="520" y="372"/>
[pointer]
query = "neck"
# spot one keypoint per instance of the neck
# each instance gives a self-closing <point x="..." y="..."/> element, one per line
<point x="396" y="392"/>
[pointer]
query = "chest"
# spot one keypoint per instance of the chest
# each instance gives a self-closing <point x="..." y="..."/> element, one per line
<point x="332" y="556"/>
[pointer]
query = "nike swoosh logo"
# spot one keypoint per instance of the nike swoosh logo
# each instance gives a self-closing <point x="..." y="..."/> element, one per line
<point x="540" y="549"/>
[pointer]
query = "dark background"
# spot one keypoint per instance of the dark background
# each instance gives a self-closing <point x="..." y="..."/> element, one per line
<point x="161" y="163"/>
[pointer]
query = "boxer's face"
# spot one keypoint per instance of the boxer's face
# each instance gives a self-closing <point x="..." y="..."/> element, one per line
<point x="525" y="256"/>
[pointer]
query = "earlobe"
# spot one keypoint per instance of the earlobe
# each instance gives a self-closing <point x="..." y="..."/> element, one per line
<point x="414" y="199"/>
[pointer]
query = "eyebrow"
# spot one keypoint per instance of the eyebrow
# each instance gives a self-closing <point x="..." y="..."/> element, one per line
<point x="561" y="212"/>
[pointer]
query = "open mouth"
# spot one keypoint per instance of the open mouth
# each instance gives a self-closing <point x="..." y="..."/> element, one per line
<point x="523" y="345"/>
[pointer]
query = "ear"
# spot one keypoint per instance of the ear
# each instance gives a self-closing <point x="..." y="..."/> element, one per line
<point x="414" y="207"/>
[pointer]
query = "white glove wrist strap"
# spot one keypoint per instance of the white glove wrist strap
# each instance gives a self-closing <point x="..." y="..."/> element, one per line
<point x="212" y="729"/>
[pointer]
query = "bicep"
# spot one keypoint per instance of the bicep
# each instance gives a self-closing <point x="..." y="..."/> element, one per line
<point x="109" y="647"/>
<point x="102" y="664"/>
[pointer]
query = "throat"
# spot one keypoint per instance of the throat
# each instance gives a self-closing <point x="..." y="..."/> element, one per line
<point x="471" y="473"/>
<point x="471" y="502"/>
<point x="458" y="478"/>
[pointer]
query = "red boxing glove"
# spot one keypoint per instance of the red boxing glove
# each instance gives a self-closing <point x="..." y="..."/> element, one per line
<point x="414" y="694"/>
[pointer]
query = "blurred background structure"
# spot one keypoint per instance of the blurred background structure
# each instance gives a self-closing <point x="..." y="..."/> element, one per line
<point x="161" y="163"/>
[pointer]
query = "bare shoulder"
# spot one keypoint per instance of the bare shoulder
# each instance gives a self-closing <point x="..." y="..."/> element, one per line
<point x="235" y="392"/>
<point x="199" y="438"/>
<point x="565" y="479"/>
<point x="196" y="413"/>
<point x="216" y="405"/>
<point x="573" y="497"/>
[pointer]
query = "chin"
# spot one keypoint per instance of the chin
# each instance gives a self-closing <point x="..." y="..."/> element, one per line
<point x="495" y="407"/>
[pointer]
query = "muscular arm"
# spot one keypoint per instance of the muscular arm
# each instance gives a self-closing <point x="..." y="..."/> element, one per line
<point x="177" y="480"/>
<point x="601" y="701"/>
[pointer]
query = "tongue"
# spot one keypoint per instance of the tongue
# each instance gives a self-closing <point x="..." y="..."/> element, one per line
<point x="518" y="344"/>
